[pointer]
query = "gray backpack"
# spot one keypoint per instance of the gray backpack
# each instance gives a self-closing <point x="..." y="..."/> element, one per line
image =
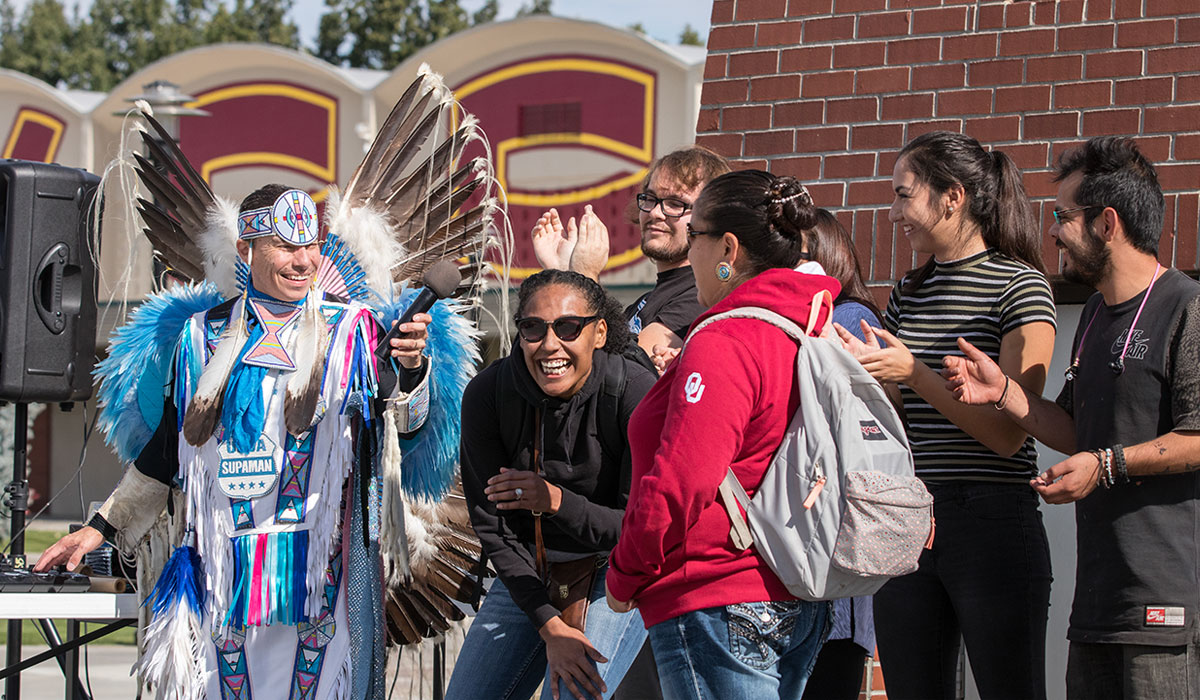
<point x="839" y="510"/>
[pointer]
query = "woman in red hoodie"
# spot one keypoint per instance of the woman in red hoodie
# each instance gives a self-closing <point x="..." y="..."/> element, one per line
<point x="721" y="623"/>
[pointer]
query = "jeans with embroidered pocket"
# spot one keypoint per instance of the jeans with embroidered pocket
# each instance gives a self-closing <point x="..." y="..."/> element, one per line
<point x="744" y="650"/>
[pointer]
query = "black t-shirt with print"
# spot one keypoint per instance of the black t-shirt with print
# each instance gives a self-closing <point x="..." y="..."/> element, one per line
<point x="672" y="302"/>
<point x="1138" y="545"/>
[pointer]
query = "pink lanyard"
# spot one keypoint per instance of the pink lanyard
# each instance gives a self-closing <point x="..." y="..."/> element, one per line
<point x="1117" y="365"/>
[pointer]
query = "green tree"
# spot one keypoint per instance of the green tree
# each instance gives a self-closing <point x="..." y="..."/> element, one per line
<point x="381" y="33"/>
<point x="637" y="27"/>
<point x="690" y="37"/>
<point x="37" y="44"/>
<point x="263" y="21"/>
<point x="486" y="13"/>
<point x="535" y="7"/>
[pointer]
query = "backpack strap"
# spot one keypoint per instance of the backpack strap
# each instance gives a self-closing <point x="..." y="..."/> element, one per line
<point x="757" y="312"/>
<point x="609" y="424"/>
<point x="819" y="301"/>
<point x="733" y="495"/>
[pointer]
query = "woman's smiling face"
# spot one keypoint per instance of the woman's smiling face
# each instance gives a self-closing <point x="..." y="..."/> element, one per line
<point x="561" y="367"/>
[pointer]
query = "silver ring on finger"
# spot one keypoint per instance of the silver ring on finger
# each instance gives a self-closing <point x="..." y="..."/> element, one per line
<point x="520" y="492"/>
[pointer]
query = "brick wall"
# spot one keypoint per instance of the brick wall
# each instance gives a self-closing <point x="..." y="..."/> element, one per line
<point x="829" y="90"/>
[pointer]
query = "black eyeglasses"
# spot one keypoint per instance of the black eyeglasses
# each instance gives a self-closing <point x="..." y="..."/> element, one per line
<point x="671" y="207"/>
<point x="566" y="328"/>
<point x="692" y="233"/>
<point x="1060" y="215"/>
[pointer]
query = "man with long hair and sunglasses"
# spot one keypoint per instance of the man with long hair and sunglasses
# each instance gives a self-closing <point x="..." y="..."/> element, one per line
<point x="1129" y="416"/>
<point x="660" y="317"/>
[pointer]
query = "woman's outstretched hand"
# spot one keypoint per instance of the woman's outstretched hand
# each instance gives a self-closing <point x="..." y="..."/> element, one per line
<point x="569" y="658"/>
<point x="884" y="355"/>
<point x="520" y="489"/>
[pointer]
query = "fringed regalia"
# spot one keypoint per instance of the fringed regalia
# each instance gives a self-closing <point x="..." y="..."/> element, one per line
<point x="304" y="530"/>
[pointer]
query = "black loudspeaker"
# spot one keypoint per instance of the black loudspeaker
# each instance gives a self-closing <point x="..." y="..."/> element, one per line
<point x="47" y="282"/>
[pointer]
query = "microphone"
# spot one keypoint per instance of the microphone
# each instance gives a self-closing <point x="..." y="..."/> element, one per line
<point x="441" y="280"/>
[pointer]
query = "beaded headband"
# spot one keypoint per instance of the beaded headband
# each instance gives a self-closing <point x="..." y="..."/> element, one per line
<point x="293" y="217"/>
<point x="802" y="193"/>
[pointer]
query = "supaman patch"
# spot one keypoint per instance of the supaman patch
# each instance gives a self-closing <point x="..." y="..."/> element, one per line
<point x="871" y="430"/>
<point x="247" y="475"/>
<point x="1164" y="616"/>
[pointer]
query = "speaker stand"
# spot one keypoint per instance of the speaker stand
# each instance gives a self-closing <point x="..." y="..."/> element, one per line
<point x="18" y="502"/>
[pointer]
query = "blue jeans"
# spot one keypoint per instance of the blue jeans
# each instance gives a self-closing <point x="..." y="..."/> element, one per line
<point x="503" y="656"/>
<point x="746" y="650"/>
<point x="986" y="582"/>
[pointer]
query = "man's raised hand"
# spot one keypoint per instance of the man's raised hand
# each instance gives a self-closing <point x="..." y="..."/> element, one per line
<point x="973" y="378"/>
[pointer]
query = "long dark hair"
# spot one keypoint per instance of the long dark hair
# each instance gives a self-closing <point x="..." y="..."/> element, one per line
<point x="830" y="245"/>
<point x="996" y="199"/>
<point x="768" y="214"/>
<point x="599" y="302"/>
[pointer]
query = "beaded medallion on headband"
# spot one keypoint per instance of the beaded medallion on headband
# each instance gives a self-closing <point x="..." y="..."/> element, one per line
<point x="293" y="217"/>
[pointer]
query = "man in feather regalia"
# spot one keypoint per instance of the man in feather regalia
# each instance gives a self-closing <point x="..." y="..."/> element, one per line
<point x="273" y="454"/>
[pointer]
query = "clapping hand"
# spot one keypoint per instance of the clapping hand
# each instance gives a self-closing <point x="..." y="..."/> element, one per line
<point x="883" y="355"/>
<point x="552" y="243"/>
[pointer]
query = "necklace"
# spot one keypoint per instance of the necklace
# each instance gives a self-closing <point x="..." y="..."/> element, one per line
<point x="1117" y="365"/>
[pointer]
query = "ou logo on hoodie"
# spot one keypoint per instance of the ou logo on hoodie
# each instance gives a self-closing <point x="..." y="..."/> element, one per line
<point x="693" y="389"/>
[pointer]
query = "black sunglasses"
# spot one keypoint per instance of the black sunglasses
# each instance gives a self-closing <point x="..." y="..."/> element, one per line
<point x="566" y="328"/>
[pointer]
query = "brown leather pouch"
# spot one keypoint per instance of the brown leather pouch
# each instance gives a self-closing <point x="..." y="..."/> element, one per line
<point x="569" y="586"/>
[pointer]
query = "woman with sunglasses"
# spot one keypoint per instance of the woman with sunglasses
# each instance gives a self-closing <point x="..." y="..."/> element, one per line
<point x="546" y="473"/>
<point x="721" y="623"/>
<point x="986" y="581"/>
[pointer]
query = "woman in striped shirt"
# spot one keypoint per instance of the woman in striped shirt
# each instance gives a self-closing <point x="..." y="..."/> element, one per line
<point x="986" y="580"/>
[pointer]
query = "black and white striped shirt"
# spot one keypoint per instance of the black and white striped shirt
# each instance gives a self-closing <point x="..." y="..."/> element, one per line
<point x="980" y="298"/>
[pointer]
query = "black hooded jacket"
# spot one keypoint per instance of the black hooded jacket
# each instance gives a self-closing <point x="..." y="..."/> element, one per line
<point x="498" y="413"/>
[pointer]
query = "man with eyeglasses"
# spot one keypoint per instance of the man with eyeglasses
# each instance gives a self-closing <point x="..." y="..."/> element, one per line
<point x="661" y="316"/>
<point x="1129" y="416"/>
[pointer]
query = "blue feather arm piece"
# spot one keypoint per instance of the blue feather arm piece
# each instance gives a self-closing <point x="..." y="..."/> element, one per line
<point x="133" y="377"/>
<point x="430" y="458"/>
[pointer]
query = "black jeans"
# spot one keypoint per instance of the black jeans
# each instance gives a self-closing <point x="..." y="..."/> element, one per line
<point x="986" y="582"/>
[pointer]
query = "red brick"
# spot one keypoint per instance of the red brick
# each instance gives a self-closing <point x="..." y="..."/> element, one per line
<point x="1155" y="32"/>
<point x="769" y="143"/>
<point x="1034" y="41"/>
<point x="750" y="118"/>
<point x="1029" y="156"/>
<point x="1090" y="37"/>
<point x="731" y="36"/>
<point x="714" y="66"/>
<point x="1127" y="9"/>
<point x="774" y="87"/>
<point x="1058" y="148"/>
<point x="1114" y="64"/>
<point x="1018" y="14"/>
<point x="877" y="136"/>
<point x="940" y="20"/>
<point x="1070" y="11"/>
<point x="912" y="4"/>
<point x="1172" y="119"/>
<point x="821" y="139"/>
<point x="994" y="129"/>
<point x="805" y="168"/>
<point x="1145" y="91"/>
<point x="709" y="120"/>
<point x="915" y="129"/>
<point x="991" y="17"/>
<point x="1181" y="177"/>
<point x="912" y="106"/>
<point x="1169" y="8"/>
<point x="1187" y="218"/>
<point x="1167" y="61"/>
<point x="968" y="46"/>
<point x="1187" y="147"/>
<point x="849" y="166"/>
<point x="1098" y="9"/>
<point x="797" y="8"/>
<point x="831" y="195"/>
<point x="1111" y="121"/>
<point x="939" y="77"/>
<point x="1187" y="88"/>
<point x="1096" y="93"/>
<point x="872" y="192"/>
<point x="1027" y="98"/>
<point x="859" y="53"/>
<point x="724" y="91"/>
<point x="779" y="33"/>
<point x="806" y="58"/>
<point x="804" y="113"/>
<point x="883" y="24"/>
<point x="748" y="164"/>
<point x="750" y="10"/>
<point x="880" y="80"/>
<point x="1157" y="149"/>
<point x="754" y="63"/>
<point x="722" y="12"/>
<point x="847" y="6"/>
<point x="887" y="160"/>
<point x="728" y="145"/>
<point x="909" y="51"/>
<point x="1057" y="125"/>
<point x="1189" y="30"/>
<point x="958" y="102"/>
<point x="1052" y="69"/>
<point x="1044" y="13"/>
<point x="828" y="84"/>
<point x="995" y="72"/>
<point x="827" y="29"/>
<point x="1040" y="184"/>
<point x="858" y="109"/>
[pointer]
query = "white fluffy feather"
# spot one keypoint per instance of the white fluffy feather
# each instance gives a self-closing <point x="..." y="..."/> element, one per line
<point x="218" y="243"/>
<point x="172" y="655"/>
<point x="370" y="238"/>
